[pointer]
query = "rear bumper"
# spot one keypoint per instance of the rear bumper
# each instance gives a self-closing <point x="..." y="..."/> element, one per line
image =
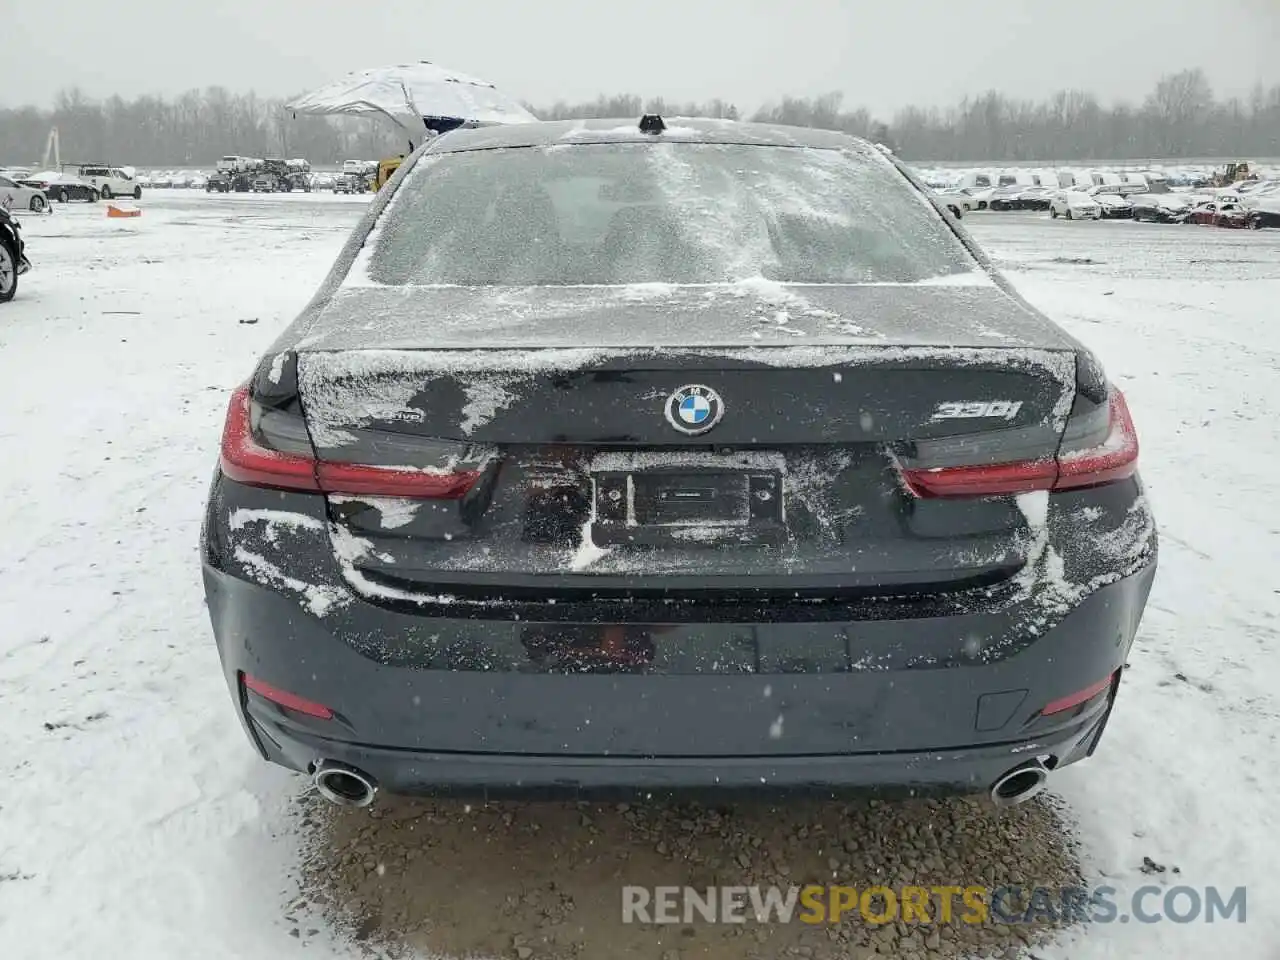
<point x="468" y="702"/>
<point x="919" y="773"/>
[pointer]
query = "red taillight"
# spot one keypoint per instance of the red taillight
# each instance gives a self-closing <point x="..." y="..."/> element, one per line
<point x="1116" y="458"/>
<point x="1064" y="704"/>
<point x="247" y="461"/>
<point x="290" y="701"/>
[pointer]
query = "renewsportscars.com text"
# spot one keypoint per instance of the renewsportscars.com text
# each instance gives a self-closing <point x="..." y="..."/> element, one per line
<point x="817" y="904"/>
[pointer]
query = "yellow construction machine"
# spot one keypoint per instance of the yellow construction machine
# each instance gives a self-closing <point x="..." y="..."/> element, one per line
<point x="1232" y="173"/>
<point x="385" y="169"/>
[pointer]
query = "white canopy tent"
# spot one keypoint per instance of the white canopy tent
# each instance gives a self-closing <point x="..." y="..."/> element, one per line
<point x="419" y="98"/>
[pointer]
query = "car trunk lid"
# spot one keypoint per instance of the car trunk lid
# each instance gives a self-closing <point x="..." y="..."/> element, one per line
<point x="581" y="483"/>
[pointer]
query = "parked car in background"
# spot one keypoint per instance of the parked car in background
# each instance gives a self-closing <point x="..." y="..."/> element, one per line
<point x="110" y="181"/>
<point x="981" y="196"/>
<point x="17" y="196"/>
<point x="1254" y="188"/>
<point x="349" y="183"/>
<point x="1260" y="217"/>
<point x="1160" y="207"/>
<point x="1262" y="193"/>
<point x="957" y="201"/>
<point x="1074" y="205"/>
<point x="1034" y="198"/>
<point x="1263" y="204"/>
<point x="1112" y="202"/>
<point x="977" y="180"/>
<point x="1005" y="198"/>
<point x="62" y="187"/>
<point x="1219" y="213"/>
<point x="13" y="258"/>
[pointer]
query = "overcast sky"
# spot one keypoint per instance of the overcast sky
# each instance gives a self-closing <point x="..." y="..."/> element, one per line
<point x="879" y="54"/>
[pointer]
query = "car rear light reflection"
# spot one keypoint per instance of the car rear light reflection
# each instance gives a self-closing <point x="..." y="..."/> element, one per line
<point x="1115" y="458"/>
<point x="245" y="459"/>
<point x="283" y="698"/>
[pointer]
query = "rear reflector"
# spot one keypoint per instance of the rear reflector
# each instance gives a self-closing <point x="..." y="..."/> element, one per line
<point x="283" y="698"/>
<point x="1080" y="696"/>
<point x="246" y="460"/>
<point x="1115" y="458"/>
<point x="1022" y="477"/>
<point x="393" y="482"/>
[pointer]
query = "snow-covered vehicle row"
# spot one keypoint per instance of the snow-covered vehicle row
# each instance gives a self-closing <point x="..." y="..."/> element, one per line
<point x="1144" y="194"/>
<point x="1255" y="204"/>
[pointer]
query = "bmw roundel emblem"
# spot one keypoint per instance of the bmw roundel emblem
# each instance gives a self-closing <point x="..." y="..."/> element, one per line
<point x="694" y="409"/>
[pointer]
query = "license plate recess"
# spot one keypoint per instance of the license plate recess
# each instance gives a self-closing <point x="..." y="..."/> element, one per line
<point x="687" y="505"/>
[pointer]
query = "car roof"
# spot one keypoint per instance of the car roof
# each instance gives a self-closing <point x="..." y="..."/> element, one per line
<point x="627" y="130"/>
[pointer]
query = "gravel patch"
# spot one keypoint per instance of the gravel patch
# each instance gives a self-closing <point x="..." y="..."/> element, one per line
<point x="544" y="880"/>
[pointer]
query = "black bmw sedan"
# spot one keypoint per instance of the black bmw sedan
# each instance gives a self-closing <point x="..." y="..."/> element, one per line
<point x="617" y="455"/>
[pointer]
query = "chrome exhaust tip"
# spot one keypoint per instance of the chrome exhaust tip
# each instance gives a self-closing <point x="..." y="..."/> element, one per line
<point x="1020" y="784"/>
<point x="344" y="785"/>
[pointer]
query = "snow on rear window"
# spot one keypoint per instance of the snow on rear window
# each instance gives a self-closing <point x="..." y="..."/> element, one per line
<point x="630" y="213"/>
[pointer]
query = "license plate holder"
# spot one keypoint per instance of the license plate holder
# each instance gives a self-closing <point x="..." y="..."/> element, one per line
<point x="687" y="505"/>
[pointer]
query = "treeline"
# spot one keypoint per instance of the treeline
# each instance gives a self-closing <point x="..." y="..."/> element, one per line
<point x="191" y="130"/>
<point x="1181" y="117"/>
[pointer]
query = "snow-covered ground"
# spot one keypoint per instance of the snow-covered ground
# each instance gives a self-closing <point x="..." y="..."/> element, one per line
<point x="134" y="819"/>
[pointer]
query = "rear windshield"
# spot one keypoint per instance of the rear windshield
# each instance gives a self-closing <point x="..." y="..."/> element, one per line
<point x="671" y="212"/>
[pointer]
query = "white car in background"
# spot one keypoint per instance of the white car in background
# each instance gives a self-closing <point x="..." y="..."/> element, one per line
<point x="957" y="201"/>
<point x="110" y="181"/>
<point x="981" y="196"/>
<point x="1113" y="200"/>
<point x="1074" y="205"/>
<point x="15" y="196"/>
